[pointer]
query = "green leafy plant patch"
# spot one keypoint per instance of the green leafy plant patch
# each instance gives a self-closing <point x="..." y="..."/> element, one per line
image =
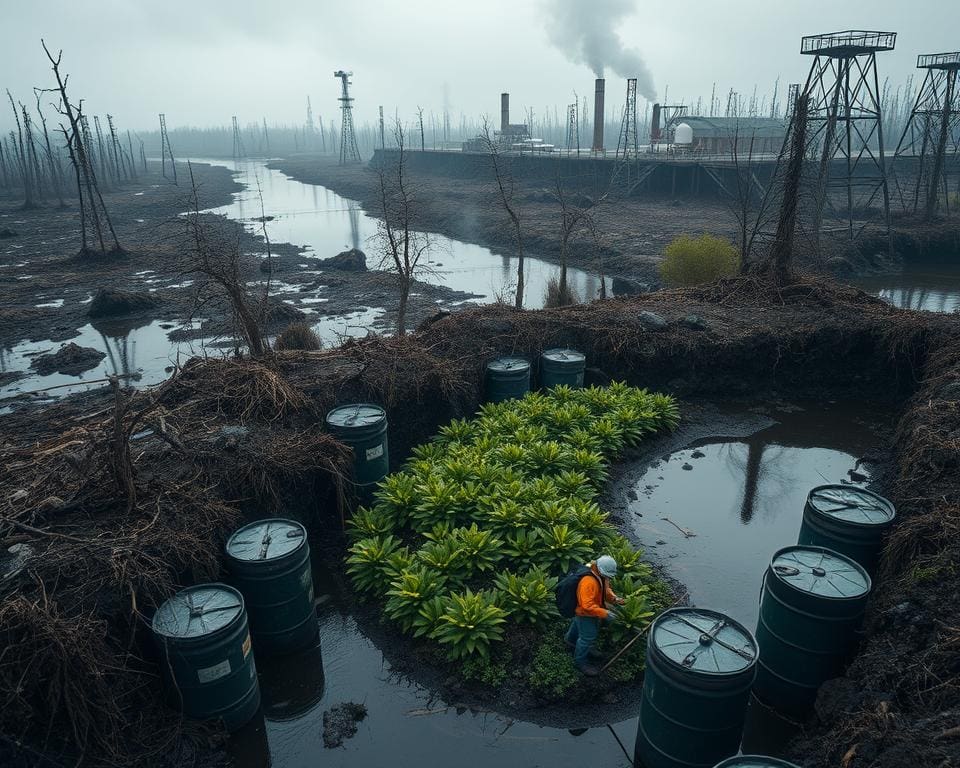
<point x="465" y="545"/>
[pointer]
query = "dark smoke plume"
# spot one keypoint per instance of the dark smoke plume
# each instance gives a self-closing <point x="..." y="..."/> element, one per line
<point x="585" y="31"/>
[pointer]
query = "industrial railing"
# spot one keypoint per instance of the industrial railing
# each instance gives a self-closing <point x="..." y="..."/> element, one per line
<point x="850" y="41"/>
<point x="939" y="61"/>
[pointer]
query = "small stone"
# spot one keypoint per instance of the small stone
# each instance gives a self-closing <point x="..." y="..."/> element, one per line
<point x="632" y="495"/>
<point x="694" y="322"/>
<point x="651" y="321"/>
<point x="687" y="466"/>
<point x="697" y="454"/>
<point x="353" y="260"/>
<point x="661" y="542"/>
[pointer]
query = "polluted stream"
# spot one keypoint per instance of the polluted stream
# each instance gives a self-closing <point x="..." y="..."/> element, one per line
<point x="710" y="504"/>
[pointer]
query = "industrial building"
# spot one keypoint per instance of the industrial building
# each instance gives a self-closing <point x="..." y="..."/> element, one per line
<point x="701" y="135"/>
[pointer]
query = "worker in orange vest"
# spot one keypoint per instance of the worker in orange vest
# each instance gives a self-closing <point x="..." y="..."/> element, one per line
<point x="593" y="595"/>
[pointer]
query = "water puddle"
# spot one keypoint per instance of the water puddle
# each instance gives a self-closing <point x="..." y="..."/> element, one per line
<point x="406" y="724"/>
<point x="715" y="511"/>
<point x="934" y="288"/>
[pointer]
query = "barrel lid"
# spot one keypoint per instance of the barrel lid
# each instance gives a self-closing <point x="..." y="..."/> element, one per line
<point x="198" y="611"/>
<point x="266" y="540"/>
<point x="509" y="364"/>
<point x="356" y="415"/>
<point x="564" y="356"/>
<point x="851" y="504"/>
<point x="754" y="761"/>
<point x="821" y="572"/>
<point x="703" y="641"/>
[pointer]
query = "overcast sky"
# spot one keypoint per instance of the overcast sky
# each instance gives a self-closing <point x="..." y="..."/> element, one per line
<point x="201" y="61"/>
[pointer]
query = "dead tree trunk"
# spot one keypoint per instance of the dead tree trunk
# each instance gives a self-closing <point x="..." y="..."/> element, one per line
<point x="56" y="172"/>
<point x="22" y="163"/>
<point x="781" y="254"/>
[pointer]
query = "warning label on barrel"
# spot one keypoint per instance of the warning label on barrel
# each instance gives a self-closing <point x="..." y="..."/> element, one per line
<point x="375" y="453"/>
<point x="209" y="674"/>
<point x="246" y="646"/>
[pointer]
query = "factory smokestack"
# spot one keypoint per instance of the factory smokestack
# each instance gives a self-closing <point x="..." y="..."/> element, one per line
<point x="504" y="112"/>
<point x="598" y="116"/>
<point x="655" y="125"/>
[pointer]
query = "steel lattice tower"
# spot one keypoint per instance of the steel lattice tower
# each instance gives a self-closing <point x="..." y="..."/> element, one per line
<point x="627" y="143"/>
<point x="348" y="140"/>
<point x="573" y="127"/>
<point x="845" y="123"/>
<point x="932" y="134"/>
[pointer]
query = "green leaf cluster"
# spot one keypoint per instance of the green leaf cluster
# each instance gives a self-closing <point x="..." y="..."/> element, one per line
<point x="475" y="530"/>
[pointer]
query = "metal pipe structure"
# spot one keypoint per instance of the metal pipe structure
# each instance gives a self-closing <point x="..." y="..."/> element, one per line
<point x="598" y="116"/>
<point x="504" y="112"/>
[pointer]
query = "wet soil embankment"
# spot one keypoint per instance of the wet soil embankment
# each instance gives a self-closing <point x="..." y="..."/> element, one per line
<point x="110" y="531"/>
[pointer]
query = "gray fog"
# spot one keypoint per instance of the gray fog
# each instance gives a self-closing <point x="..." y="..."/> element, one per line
<point x="204" y="60"/>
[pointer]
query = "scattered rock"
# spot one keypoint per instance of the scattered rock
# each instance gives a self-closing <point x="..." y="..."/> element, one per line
<point x="71" y="360"/>
<point x="661" y="542"/>
<point x="687" y="466"/>
<point x="622" y="286"/>
<point x="7" y="232"/>
<point x="857" y="477"/>
<point x="281" y="311"/>
<point x="340" y="723"/>
<point x="353" y="260"/>
<point x="697" y="454"/>
<point x="632" y="495"/>
<point x="651" y="321"/>
<point x="694" y="322"/>
<point x="112" y="302"/>
<point x="14" y="560"/>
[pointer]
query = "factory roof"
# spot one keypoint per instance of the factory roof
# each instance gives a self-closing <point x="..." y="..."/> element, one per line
<point x="723" y="127"/>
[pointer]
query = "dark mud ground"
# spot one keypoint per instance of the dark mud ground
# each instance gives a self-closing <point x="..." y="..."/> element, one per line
<point x="39" y="265"/>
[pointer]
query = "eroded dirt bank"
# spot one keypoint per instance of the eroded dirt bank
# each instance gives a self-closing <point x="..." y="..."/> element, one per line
<point x="110" y="534"/>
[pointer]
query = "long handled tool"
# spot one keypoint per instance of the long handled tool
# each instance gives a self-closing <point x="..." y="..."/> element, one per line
<point x="640" y="633"/>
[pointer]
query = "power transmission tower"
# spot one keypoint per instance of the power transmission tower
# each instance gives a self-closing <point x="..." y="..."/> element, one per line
<point x="238" y="150"/>
<point x="627" y="143"/>
<point x="846" y="124"/>
<point x="165" y="150"/>
<point x="932" y="134"/>
<point x="573" y="128"/>
<point x="349" y="153"/>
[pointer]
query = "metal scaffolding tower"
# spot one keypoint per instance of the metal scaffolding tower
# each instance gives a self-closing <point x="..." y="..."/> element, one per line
<point x="348" y="140"/>
<point x="165" y="150"/>
<point x="845" y="125"/>
<point x="238" y="150"/>
<point x="932" y="135"/>
<point x="573" y="128"/>
<point x="627" y="143"/>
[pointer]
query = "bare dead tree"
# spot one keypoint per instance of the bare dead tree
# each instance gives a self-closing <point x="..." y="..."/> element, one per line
<point x="77" y="139"/>
<point x="420" y="117"/>
<point x="219" y="260"/>
<point x="31" y="149"/>
<point x="23" y="164"/>
<point x="53" y="161"/>
<point x="750" y="201"/>
<point x="506" y="190"/>
<point x="400" y="236"/>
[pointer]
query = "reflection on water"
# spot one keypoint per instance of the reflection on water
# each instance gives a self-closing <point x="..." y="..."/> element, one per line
<point x="325" y="222"/>
<point x="138" y="350"/>
<point x="934" y="288"/>
<point x="406" y="723"/>
<point x="716" y="511"/>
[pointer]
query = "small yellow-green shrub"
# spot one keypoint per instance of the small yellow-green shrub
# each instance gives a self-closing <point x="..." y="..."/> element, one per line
<point x="695" y="260"/>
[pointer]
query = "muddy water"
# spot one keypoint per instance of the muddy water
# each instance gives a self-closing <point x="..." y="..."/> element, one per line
<point x="933" y="288"/>
<point x="325" y="222"/>
<point x="406" y="723"/>
<point x="713" y="511"/>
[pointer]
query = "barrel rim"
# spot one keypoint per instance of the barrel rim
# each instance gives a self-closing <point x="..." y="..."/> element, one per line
<point x="231" y="625"/>
<point x="809" y="547"/>
<point x="266" y="521"/>
<point x="516" y="358"/>
<point x="742" y="761"/>
<point x="852" y="523"/>
<point x="580" y="356"/>
<point x="745" y="670"/>
<point x="344" y="406"/>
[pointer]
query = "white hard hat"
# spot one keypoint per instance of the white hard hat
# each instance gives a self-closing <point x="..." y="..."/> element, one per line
<point x="607" y="566"/>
